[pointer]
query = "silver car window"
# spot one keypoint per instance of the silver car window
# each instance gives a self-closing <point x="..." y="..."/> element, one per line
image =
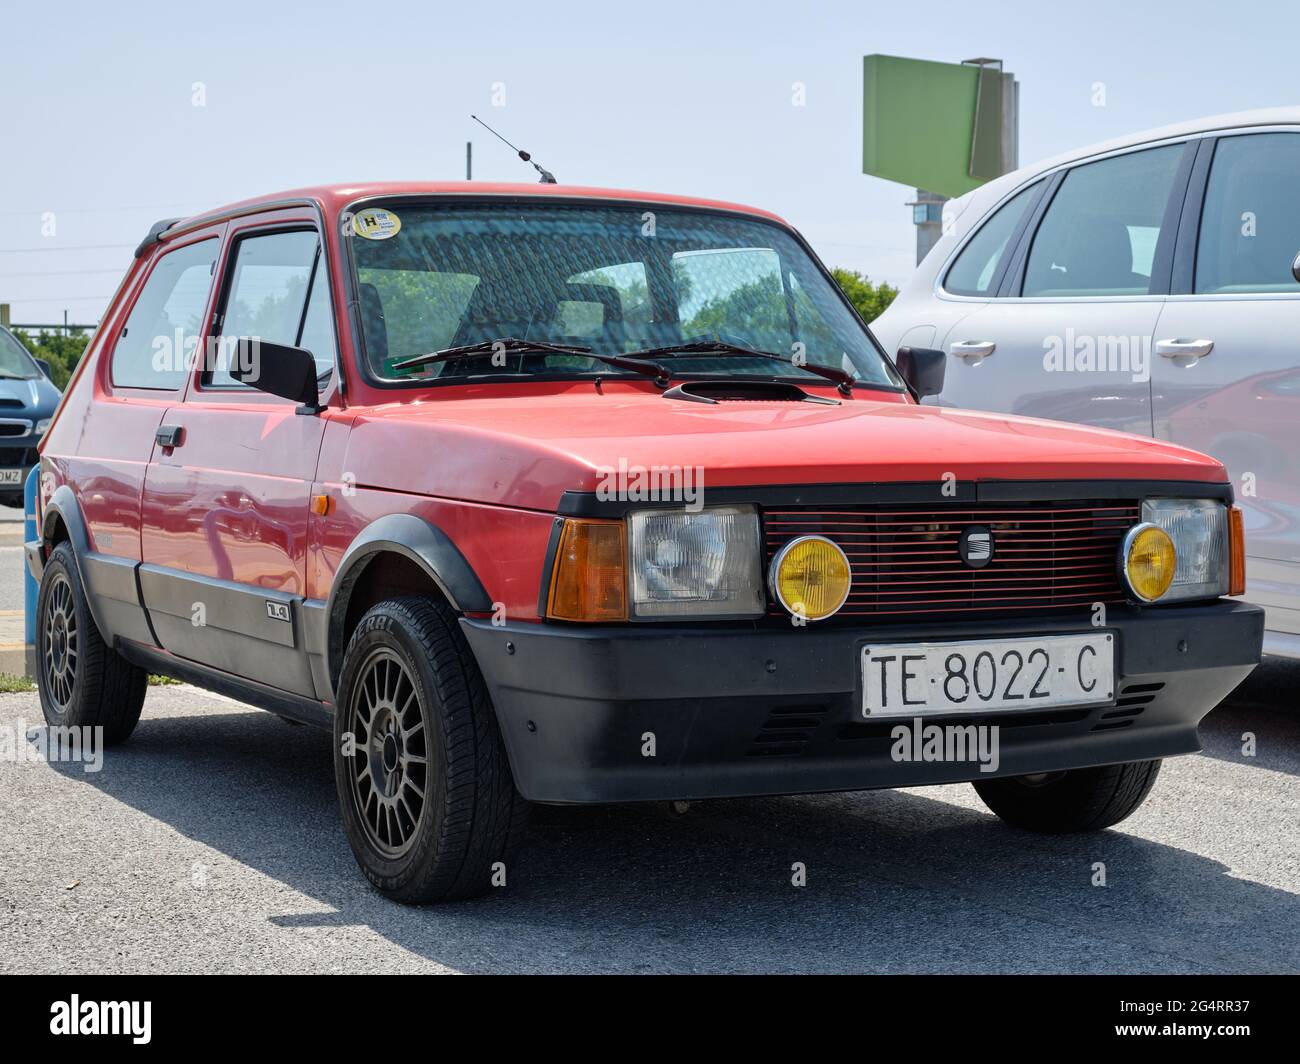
<point x="1099" y="235"/>
<point x="977" y="267"/>
<point x="1250" y="225"/>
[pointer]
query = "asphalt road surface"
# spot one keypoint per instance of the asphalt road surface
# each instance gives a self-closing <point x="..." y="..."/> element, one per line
<point x="211" y="843"/>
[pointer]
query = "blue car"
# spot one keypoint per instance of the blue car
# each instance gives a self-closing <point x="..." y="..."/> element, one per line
<point x="27" y="401"/>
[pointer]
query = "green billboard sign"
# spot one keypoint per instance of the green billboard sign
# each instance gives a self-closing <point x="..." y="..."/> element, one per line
<point x="943" y="127"/>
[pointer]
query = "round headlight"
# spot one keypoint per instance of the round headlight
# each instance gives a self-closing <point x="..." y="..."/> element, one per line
<point x="810" y="577"/>
<point x="1148" y="560"/>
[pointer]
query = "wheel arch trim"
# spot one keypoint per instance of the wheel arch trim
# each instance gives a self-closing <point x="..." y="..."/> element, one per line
<point x="63" y="508"/>
<point x="415" y="539"/>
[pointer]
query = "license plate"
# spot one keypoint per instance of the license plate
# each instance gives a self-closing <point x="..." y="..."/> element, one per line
<point x="11" y="476"/>
<point x="914" y="679"/>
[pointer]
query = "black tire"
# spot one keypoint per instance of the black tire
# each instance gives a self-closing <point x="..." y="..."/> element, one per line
<point x="1083" y="799"/>
<point x="411" y="691"/>
<point x="83" y="682"/>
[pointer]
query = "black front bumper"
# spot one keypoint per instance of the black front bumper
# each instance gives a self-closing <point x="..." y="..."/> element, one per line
<point x="19" y="452"/>
<point x="764" y="711"/>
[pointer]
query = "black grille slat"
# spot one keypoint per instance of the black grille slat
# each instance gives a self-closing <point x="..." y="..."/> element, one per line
<point x="787" y="730"/>
<point x="1132" y="702"/>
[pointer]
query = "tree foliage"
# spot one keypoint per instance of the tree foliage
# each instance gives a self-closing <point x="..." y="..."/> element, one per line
<point x="871" y="300"/>
<point x="61" y="350"/>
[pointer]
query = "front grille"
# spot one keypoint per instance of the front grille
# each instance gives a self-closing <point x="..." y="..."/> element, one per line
<point x="906" y="562"/>
<point x="14" y="457"/>
<point x="15" y="428"/>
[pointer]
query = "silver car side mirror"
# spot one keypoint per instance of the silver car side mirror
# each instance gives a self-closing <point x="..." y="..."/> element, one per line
<point x="1295" y="267"/>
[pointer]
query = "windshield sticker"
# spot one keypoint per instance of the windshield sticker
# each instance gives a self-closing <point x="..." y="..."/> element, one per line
<point x="376" y="223"/>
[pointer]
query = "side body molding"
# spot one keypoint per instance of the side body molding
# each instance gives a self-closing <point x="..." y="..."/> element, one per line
<point x="413" y="538"/>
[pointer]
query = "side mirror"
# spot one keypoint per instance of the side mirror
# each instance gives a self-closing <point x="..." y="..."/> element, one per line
<point x="1295" y="267"/>
<point x="45" y="366"/>
<point x="289" y="372"/>
<point x="922" y="368"/>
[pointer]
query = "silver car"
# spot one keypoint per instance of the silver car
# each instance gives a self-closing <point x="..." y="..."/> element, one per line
<point x="1150" y="284"/>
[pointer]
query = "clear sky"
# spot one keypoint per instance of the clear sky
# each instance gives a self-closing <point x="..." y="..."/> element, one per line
<point x="100" y="126"/>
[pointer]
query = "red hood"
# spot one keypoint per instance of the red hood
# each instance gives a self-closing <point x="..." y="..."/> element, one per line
<point x="527" y="449"/>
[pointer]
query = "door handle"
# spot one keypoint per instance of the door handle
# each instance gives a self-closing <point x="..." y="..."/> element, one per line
<point x="1190" y="349"/>
<point x="973" y="352"/>
<point x="169" y="436"/>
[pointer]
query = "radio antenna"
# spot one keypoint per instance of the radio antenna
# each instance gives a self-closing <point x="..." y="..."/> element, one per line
<point x="548" y="178"/>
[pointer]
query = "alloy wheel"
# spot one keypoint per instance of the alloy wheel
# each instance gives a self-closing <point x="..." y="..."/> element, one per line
<point x="61" y="646"/>
<point x="389" y="768"/>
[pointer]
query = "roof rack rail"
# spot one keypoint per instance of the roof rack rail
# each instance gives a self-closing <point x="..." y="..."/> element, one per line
<point x="155" y="234"/>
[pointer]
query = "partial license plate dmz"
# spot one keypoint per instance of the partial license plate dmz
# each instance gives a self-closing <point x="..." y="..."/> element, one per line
<point x="913" y="679"/>
<point x="11" y="477"/>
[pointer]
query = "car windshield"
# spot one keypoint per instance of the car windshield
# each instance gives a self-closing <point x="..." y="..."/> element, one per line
<point x="612" y="279"/>
<point x="14" y="360"/>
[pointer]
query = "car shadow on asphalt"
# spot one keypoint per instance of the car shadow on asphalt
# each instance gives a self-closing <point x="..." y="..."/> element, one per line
<point x="895" y="881"/>
<point x="1262" y="715"/>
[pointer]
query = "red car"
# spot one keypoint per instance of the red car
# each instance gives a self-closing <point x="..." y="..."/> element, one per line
<point x="565" y="495"/>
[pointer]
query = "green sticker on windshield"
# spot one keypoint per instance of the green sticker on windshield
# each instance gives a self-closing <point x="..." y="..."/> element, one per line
<point x="376" y="223"/>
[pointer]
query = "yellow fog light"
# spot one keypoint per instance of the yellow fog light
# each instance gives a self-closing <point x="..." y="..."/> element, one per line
<point x="1148" y="560"/>
<point x="810" y="577"/>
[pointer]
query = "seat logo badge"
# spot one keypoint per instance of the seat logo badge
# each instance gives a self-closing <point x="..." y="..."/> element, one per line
<point x="277" y="611"/>
<point x="976" y="546"/>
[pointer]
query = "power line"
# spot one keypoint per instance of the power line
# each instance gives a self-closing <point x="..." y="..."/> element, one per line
<point x="866" y="247"/>
<point x="60" y="273"/>
<point x="94" y="210"/>
<point x="69" y="247"/>
<point x="63" y="299"/>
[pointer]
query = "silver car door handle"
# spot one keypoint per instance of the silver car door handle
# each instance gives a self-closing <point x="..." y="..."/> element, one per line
<point x="1184" y="348"/>
<point x="973" y="350"/>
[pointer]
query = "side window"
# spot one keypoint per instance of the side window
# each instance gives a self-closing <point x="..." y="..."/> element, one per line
<point x="317" y="333"/>
<point x="277" y="292"/>
<point x="157" y="344"/>
<point x="978" y="265"/>
<point x="1098" y="237"/>
<point x="1250" y="225"/>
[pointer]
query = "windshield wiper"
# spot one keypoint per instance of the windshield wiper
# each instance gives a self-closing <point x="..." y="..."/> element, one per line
<point x="510" y="345"/>
<point x="843" y="381"/>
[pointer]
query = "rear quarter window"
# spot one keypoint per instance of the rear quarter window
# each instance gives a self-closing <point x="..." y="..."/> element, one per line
<point x="978" y="267"/>
<point x="158" y="341"/>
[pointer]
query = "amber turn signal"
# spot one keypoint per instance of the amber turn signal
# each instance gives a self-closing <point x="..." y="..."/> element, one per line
<point x="589" y="579"/>
<point x="1236" y="552"/>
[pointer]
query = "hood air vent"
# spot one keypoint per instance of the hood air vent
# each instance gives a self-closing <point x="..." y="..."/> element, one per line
<point x="740" y="391"/>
